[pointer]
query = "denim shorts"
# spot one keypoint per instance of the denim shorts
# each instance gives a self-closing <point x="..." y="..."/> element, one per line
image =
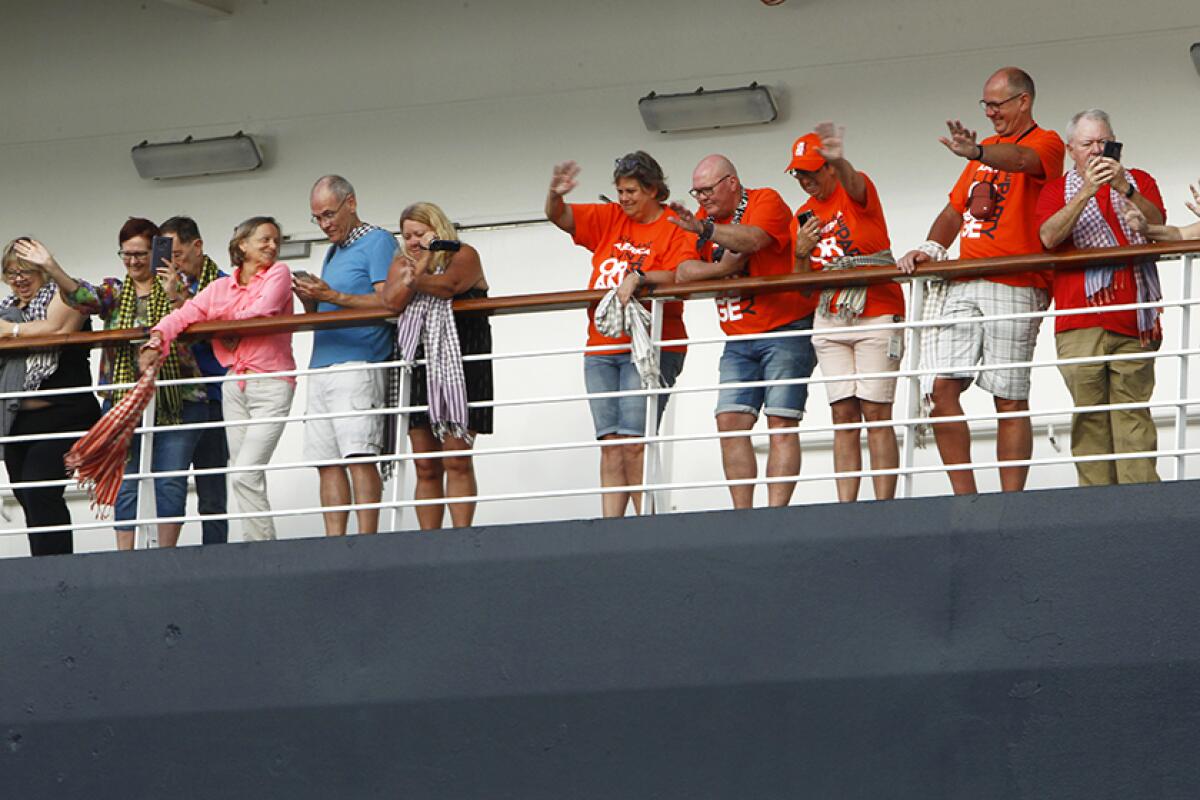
<point x="768" y="360"/>
<point x="616" y="373"/>
<point x="173" y="450"/>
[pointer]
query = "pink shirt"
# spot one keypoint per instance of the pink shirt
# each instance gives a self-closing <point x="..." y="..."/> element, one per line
<point x="269" y="294"/>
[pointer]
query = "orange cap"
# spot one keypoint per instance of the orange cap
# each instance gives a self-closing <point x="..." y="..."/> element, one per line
<point x="806" y="155"/>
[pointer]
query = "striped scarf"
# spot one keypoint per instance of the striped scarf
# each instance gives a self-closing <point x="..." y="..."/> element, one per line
<point x="39" y="364"/>
<point x="208" y="274"/>
<point x="124" y="357"/>
<point x="429" y="321"/>
<point x="851" y="300"/>
<point x="97" y="459"/>
<point x="1092" y="230"/>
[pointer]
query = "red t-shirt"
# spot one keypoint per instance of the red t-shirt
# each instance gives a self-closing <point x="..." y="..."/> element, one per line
<point x="1013" y="228"/>
<point x="852" y="229"/>
<point x="619" y="244"/>
<point x="766" y="210"/>
<point x="1069" y="289"/>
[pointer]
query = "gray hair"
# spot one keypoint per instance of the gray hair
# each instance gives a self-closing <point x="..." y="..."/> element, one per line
<point x="339" y="186"/>
<point x="1094" y="114"/>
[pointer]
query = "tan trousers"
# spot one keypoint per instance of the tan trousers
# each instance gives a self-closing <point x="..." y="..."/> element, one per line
<point x="1104" y="432"/>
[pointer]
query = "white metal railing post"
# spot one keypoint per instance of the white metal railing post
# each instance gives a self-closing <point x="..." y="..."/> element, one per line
<point x="912" y="384"/>
<point x="1185" y="324"/>
<point x="400" y="468"/>
<point x="651" y="458"/>
<point x="147" y="508"/>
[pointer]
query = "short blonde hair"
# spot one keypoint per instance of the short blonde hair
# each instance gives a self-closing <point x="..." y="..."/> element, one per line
<point x="11" y="259"/>
<point x="430" y="214"/>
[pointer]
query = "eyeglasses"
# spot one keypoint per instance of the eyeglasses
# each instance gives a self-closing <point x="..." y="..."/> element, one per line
<point x="988" y="105"/>
<point x="327" y="216"/>
<point x="133" y="255"/>
<point x="702" y="192"/>
<point x="17" y="274"/>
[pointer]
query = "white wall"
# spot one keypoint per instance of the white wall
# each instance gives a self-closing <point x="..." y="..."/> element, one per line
<point x="470" y="104"/>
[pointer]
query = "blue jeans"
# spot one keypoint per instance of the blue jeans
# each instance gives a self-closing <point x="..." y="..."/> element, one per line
<point x="173" y="450"/>
<point x="212" y="450"/>
<point x="768" y="360"/>
<point x="616" y="373"/>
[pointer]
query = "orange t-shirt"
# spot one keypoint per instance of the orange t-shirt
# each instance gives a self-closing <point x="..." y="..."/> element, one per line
<point x="765" y="210"/>
<point x="852" y="229"/>
<point x="619" y="244"/>
<point x="1013" y="228"/>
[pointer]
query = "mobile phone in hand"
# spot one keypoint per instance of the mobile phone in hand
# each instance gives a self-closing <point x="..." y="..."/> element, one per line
<point x="803" y="217"/>
<point x="299" y="273"/>
<point x="160" y="252"/>
<point x="1112" y="150"/>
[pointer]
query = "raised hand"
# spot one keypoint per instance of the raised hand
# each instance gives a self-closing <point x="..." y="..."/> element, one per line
<point x="961" y="141"/>
<point x="684" y="218"/>
<point x="833" y="139"/>
<point x="33" y="251"/>
<point x="563" y="179"/>
<point x="1194" y="206"/>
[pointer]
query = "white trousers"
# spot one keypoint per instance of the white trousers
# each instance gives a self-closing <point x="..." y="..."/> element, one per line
<point x="252" y="445"/>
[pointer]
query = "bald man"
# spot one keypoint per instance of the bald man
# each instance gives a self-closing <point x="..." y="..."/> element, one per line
<point x="747" y="232"/>
<point x="992" y="212"/>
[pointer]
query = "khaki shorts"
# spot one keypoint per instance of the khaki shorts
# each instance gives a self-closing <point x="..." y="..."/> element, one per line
<point x="853" y="352"/>
<point x="344" y="393"/>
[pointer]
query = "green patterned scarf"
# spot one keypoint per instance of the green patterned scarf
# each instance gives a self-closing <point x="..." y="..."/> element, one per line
<point x="208" y="274"/>
<point x="124" y="360"/>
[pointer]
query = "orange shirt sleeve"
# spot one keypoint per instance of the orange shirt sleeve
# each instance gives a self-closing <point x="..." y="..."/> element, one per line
<point x="591" y="222"/>
<point x="770" y="214"/>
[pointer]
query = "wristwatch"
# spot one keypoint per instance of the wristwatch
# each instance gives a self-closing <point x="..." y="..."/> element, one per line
<point x="1129" y="192"/>
<point x="706" y="232"/>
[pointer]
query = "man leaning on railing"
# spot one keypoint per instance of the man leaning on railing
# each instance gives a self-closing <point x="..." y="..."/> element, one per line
<point x="992" y="211"/>
<point x="1084" y="209"/>
<point x="745" y="232"/>
<point x="353" y="275"/>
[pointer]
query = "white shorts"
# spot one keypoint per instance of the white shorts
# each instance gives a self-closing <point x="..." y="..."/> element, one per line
<point x="847" y="351"/>
<point x="344" y="393"/>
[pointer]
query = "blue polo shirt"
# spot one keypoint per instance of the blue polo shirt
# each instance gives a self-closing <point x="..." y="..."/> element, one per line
<point x="355" y="269"/>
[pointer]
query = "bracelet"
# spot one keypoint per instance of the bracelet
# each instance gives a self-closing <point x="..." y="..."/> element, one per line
<point x="707" y="228"/>
<point x="16" y="331"/>
<point x="979" y="157"/>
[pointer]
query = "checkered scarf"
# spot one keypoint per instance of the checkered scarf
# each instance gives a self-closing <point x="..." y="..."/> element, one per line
<point x="429" y="321"/>
<point x="124" y="356"/>
<point x="614" y="321"/>
<point x="97" y="460"/>
<point x="1092" y="230"/>
<point x="39" y="364"/>
<point x="851" y="300"/>
<point x="933" y="308"/>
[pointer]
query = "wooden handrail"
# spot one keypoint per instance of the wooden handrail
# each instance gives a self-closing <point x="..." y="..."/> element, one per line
<point x="555" y="301"/>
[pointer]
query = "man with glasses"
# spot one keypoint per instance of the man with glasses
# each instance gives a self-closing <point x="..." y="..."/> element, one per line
<point x="746" y="232"/>
<point x="993" y="212"/>
<point x="190" y="270"/>
<point x="354" y="272"/>
<point x="1085" y="209"/>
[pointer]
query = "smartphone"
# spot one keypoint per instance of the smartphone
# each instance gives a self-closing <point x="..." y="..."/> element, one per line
<point x="445" y="245"/>
<point x="299" y="273"/>
<point x="803" y="217"/>
<point x="160" y="252"/>
<point x="1112" y="150"/>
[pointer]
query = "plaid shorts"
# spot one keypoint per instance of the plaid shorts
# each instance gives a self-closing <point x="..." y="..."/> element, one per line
<point x="998" y="342"/>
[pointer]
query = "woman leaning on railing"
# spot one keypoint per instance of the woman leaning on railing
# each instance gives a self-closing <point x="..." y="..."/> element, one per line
<point x="36" y="309"/>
